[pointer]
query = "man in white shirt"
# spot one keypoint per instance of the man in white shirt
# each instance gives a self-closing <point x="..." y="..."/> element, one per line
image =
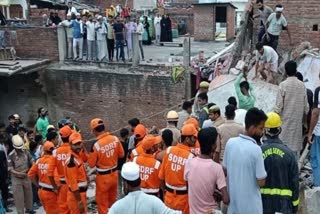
<point x="266" y="58"/>
<point x="66" y="23"/>
<point x="135" y="200"/>
<point x="157" y="27"/>
<point x="140" y="31"/>
<point x="72" y="10"/>
<point x="91" y="37"/>
<point x="101" y="38"/>
<point x="275" y="23"/>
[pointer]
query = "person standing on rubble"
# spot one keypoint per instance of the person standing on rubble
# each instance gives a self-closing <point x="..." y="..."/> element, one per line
<point x="281" y="191"/>
<point x="292" y="105"/>
<point x="203" y="88"/>
<point x="104" y="157"/>
<point x="244" y="92"/>
<point x="244" y="166"/>
<point x="266" y="59"/>
<point x="264" y="13"/>
<point x="275" y="23"/>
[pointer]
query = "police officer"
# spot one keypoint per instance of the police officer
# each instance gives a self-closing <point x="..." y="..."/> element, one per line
<point x="19" y="163"/>
<point x="281" y="192"/>
<point x="172" y="122"/>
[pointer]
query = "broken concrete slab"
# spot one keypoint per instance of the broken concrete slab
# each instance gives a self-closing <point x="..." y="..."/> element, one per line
<point x="222" y="87"/>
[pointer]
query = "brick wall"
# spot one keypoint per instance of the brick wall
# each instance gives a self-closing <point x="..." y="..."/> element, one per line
<point x="301" y="16"/>
<point x="83" y="95"/>
<point x="186" y="14"/>
<point x="36" y="42"/>
<point x="204" y="23"/>
<point x="231" y="23"/>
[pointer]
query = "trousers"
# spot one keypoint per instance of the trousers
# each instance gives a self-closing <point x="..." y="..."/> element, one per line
<point x="110" y="43"/>
<point x="106" y="191"/>
<point x="91" y="44"/>
<point x="62" y="199"/>
<point x="315" y="160"/>
<point x="77" y="42"/>
<point x="177" y="202"/>
<point x="70" y="41"/>
<point x="119" y="45"/>
<point x="22" y="194"/>
<point x="73" y="203"/>
<point x="49" y="201"/>
<point x="141" y="49"/>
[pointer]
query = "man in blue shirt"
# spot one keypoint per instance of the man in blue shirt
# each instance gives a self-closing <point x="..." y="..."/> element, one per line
<point x="244" y="165"/>
<point x="77" y="26"/>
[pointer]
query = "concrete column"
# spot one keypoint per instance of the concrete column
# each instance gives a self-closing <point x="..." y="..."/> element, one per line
<point x="186" y="65"/>
<point x="136" y="50"/>
<point x="62" y="43"/>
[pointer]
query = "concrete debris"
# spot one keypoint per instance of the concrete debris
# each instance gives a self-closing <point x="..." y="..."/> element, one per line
<point x="312" y="198"/>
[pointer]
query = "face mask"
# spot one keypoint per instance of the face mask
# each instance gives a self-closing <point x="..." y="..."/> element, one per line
<point x="78" y="19"/>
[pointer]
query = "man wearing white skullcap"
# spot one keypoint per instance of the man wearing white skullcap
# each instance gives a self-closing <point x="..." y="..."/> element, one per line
<point x="275" y="23"/>
<point x="136" y="201"/>
<point x="77" y="27"/>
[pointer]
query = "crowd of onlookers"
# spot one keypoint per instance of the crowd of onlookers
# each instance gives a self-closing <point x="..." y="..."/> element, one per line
<point x="99" y="37"/>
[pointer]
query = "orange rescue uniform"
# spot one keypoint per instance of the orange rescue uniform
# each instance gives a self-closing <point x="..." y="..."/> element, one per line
<point x="60" y="155"/>
<point x="149" y="173"/>
<point x="44" y="168"/>
<point x="196" y="149"/>
<point x="76" y="178"/>
<point x="136" y="152"/>
<point x="172" y="169"/>
<point x="106" y="152"/>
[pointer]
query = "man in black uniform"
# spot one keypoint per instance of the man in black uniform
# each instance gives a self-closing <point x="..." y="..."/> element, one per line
<point x="281" y="192"/>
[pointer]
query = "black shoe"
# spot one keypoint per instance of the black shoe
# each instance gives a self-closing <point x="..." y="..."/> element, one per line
<point x="30" y="212"/>
<point x="8" y="210"/>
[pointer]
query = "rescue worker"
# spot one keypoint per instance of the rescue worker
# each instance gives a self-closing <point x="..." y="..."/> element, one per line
<point x="41" y="175"/>
<point x="149" y="166"/>
<point x="172" y="170"/>
<point x="139" y="133"/>
<point x="19" y="163"/>
<point x="60" y="155"/>
<point x="106" y="152"/>
<point x="172" y="122"/>
<point x="76" y="177"/>
<point x="136" y="201"/>
<point x="196" y="148"/>
<point x="281" y="191"/>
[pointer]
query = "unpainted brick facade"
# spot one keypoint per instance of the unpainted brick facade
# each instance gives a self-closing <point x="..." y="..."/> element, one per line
<point x="302" y="17"/>
<point x="84" y="95"/>
<point x="205" y="25"/>
<point x="36" y="42"/>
